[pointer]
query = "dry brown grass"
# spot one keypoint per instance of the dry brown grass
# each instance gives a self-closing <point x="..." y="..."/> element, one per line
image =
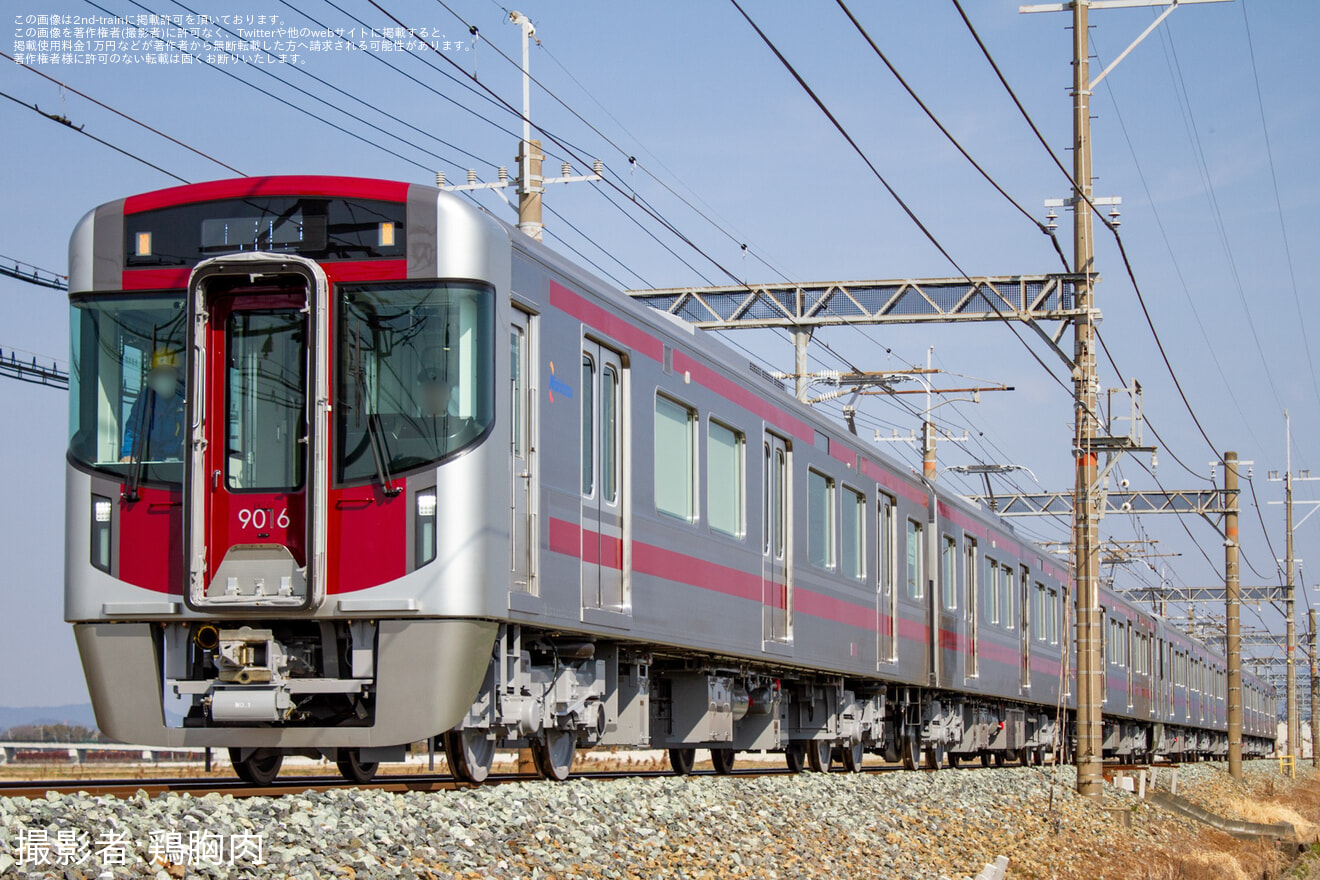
<point x="1208" y="855"/>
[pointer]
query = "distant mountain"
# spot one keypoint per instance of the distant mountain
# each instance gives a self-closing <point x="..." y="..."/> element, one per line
<point x="74" y="713"/>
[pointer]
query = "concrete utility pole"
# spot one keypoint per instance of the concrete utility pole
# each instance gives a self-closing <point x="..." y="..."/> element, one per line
<point x="531" y="181"/>
<point x="1290" y="587"/>
<point x="1290" y="613"/>
<point x="1232" y="612"/>
<point x="1086" y="515"/>
<point x="1315" y="698"/>
<point x="1088" y="503"/>
<point x="530" y="156"/>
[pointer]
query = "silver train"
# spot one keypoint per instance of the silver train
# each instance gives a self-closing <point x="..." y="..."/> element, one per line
<point x="353" y="465"/>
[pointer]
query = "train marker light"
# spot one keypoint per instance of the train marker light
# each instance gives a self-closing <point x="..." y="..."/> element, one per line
<point x="101" y="544"/>
<point x="424" y="539"/>
<point x="143" y="248"/>
<point x="386" y="234"/>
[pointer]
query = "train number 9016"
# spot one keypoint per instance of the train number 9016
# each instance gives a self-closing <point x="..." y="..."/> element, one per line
<point x="262" y="518"/>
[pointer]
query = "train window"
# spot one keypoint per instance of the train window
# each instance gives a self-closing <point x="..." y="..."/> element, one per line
<point x="1054" y="614"/>
<point x="1006" y="603"/>
<point x="992" y="594"/>
<point x="969" y="573"/>
<point x="724" y="479"/>
<point x="416" y="365"/>
<point x="609" y="433"/>
<point x="675" y="458"/>
<point x="886" y="559"/>
<point x="319" y="228"/>
<point x="949" y="572"/>
<point x="117" y="409"/>
<point x="267" y="385"/>
<point x="820" y="519"/>
<point x="588" y="435"/>
<point x="916" y="568"/>
<point x="853" y="532"/>
<point x="1040" y="614"/>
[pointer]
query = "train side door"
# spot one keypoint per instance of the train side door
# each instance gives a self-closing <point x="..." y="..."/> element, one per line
<point x="257" y="472"/>
<point x="1130" y="654"/>
<point x="522" y="452"/>
<point x="604" y="543"/>
<point x="971" y="566"/>
<point x="1024" y="593"/>
<point x="886" y="596"/>
<point x="776" y="541"/>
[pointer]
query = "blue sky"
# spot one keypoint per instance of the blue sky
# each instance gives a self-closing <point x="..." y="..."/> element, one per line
<point x="690" y="91"/>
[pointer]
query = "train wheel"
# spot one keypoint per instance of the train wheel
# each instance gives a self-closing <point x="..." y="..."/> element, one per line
<point x="722" y="760"/>
<point x="1000" y="757"/>
<point x="557" y="749"/>
<point x="795" y="756"/>
<point x="470" y="753"/>
<point x="853" y="756"/>
<point x="353" y="768"/>
<point x="934" y="756"/>
<point x="1036" y="757"/>
<point x="954" y="758"/>
<point x="820" y="754"/>
<point x="681" y="761"/>
<point x="985" y="758"/>
<point x="911" y="752"/>
<point x="259" y="768"/>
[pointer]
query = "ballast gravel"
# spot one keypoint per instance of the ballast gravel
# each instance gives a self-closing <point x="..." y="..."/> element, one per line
<point x="883" y="825"/>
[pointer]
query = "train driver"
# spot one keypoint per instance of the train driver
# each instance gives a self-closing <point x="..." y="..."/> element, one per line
<point x="437" y="395"/>
<point x="158" y="412"/>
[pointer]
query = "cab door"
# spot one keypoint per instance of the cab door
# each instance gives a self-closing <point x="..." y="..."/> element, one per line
<point x="257" y="450"/>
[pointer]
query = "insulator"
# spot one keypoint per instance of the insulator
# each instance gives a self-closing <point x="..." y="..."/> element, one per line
<point x="472" y="175"/>
<point x="597" y="167"/>
<point x="504" y="174"/>
<point x="565" y="169"/>
<point x="440" y="179"/>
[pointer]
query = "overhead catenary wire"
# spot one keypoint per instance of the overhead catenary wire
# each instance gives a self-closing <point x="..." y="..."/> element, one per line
<point x="1044" y="228"/>
<point x="332" y="87"/>
<point x="272" y="95"/>
<point x="1177" y="267"/>
<point x="129" y="117"/>
<point x="574" y="153"/>
<point x="1212" y="198"/>
<point x="902" y="204"/>
<point x="82" y="131"/>
<point x="1278" y="203"/>
<point x="1095" y="209"/>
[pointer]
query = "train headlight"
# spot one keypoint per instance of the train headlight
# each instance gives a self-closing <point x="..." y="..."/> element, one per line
<point x="102" y="521"/>
<point x="424" y="528"/>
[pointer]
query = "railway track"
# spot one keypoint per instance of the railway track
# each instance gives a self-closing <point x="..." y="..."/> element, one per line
<point x="124" y="788"/>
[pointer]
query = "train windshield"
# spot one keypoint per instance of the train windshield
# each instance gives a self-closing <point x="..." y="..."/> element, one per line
<point x="415" y="375"/>
<point x="126" y="385"/>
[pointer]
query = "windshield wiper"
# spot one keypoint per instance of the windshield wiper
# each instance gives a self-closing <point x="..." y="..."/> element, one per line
<point x="137" y="452"/>
<point x="376" y="434"/>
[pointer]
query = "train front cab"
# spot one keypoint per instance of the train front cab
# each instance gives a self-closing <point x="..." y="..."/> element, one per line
<point x="280" y="576"/>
